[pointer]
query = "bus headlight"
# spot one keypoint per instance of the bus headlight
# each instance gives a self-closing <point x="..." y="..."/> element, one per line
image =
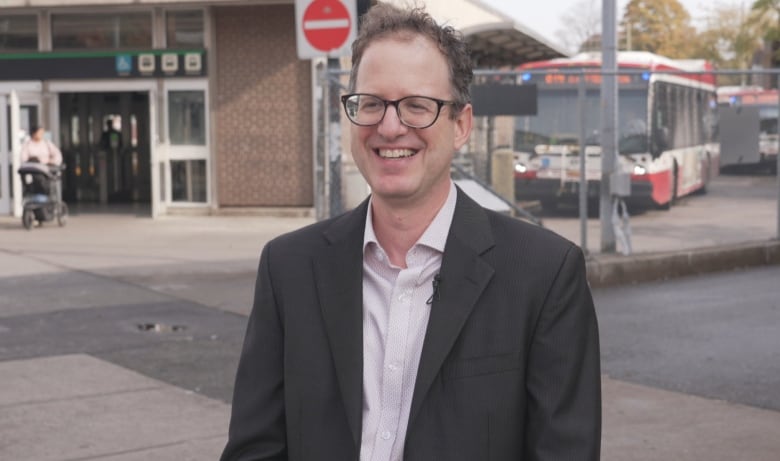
<point x="520" y="168"/>
<point x="639" y="170"/>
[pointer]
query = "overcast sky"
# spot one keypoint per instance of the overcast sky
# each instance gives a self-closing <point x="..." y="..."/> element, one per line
<point x="544" y="17"/>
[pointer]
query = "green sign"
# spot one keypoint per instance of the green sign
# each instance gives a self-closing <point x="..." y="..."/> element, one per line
<point x="102" y="64"/>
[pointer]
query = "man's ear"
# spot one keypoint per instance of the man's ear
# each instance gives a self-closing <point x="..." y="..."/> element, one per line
<point x="463" y="125"/>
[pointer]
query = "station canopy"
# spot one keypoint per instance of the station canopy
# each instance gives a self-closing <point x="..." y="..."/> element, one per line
<point x="508" y="43"/>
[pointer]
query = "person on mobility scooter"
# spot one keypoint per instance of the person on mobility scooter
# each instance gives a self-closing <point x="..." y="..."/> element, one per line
<point x="41" y="172"/>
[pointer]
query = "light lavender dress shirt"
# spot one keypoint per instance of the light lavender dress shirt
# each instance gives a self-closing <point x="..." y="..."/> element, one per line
<point x="395" y="318"/>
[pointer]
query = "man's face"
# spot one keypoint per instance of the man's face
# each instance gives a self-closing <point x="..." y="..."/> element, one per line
<point x="407" y="166"/>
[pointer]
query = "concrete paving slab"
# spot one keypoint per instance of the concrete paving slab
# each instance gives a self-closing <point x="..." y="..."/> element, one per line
<point x="78" y="407"/>
<point x="100" y="242"/>
<point x="737" y="209"/>
<point x="18" y="265"/>
<point x="28" y="382"/>
<point x="207" y="449"/>
<point x="647" y="424"/>
<point x="60" y="290"/>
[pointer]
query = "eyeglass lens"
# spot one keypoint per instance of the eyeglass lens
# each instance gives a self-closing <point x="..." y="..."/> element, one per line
<point x="413" y="111"/>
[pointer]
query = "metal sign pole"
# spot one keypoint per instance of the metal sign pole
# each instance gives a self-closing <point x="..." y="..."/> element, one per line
<point x="336" y="204"/>
<point x="320" y="145"/>
<point x="608" y="121"/>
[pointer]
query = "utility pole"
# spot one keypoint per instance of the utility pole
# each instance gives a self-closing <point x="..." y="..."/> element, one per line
<point x="609" y="96"/>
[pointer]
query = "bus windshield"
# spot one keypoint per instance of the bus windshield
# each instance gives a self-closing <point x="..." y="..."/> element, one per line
<point x="557" y="120"/>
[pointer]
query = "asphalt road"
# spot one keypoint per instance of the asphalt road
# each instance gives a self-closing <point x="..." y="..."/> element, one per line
<point x="194" y="346"/>
<point x="714" y="336"/>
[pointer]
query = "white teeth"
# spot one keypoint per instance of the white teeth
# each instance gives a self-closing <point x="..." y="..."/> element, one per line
<point x="395" y="153"/>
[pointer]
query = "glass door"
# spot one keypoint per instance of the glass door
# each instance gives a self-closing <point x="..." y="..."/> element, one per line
<point x="106" y="144"/>
<point x="188" y="143"/>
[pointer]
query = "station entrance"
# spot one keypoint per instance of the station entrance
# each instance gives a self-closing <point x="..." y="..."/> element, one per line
<point x="105" y="143"/>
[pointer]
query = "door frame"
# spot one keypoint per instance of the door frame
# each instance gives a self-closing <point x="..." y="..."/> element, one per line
<point x="27" y="93"/>
<point x="188" y="152"/>
<point x="157" y="158"/>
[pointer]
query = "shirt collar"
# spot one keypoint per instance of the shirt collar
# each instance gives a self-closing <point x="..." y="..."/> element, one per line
<point x="435" y="235"/>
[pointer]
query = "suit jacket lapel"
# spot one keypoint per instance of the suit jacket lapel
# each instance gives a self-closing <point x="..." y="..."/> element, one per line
<point x="339" y="280"/>
<point x="464" y="275"/>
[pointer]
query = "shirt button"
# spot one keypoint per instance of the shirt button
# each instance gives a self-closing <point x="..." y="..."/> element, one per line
<point x="386" y="435"/>
<point x="393" y="366"/>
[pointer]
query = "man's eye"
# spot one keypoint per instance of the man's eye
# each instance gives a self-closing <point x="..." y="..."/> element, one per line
<point x="371" y="106"/>
<point x="418" y="106"/>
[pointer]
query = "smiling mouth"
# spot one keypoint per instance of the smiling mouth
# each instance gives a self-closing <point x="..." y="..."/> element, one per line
<point x="395" y="153"/>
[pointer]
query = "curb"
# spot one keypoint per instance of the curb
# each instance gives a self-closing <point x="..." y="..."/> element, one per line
<point x="613" y="270"/>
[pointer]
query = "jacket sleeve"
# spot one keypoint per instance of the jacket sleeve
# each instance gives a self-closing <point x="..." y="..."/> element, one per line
<point x="257" y="423"/>
<point x="564" y="380"/>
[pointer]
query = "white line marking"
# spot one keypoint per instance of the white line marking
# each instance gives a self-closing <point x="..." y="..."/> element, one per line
<point x="326" y="24"/>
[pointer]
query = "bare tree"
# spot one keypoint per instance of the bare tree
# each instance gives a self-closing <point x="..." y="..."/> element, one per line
<point x="729" y="39"/>
<point x="582" y="26"/>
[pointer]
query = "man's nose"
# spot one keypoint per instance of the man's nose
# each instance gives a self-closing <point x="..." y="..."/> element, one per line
<point x="391" y="125"/>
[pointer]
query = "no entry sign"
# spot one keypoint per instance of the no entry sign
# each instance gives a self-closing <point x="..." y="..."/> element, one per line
<point x="324" y="27"/>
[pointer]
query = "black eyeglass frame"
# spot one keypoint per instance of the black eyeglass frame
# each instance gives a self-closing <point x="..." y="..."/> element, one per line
<point x="439" y="104"/>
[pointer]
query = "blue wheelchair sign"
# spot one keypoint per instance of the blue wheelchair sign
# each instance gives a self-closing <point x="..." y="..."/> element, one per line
<point x="124" y="64"/>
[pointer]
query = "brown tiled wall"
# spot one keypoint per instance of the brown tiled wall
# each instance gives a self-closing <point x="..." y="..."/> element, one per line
<point x="263" y="109"/>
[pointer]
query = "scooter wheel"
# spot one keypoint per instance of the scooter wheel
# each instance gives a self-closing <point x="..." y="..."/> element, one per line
<point x="62" y="214"/>
<point x="28" y="218"/>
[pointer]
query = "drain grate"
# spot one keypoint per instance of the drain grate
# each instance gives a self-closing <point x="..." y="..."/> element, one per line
<point x="160" y="328"/>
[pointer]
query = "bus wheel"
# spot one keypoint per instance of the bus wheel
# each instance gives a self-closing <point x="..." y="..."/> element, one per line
<point x="705" y="177"/>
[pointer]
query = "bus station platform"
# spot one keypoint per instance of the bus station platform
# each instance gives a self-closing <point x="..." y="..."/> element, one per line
<point x="72" y="405"/>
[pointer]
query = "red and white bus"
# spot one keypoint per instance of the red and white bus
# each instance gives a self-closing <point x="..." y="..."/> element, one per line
<point x="766" y="101"/>
<point x="667" y="129"/>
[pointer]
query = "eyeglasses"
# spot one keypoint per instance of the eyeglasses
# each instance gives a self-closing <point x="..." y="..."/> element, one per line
<point x="413" y="111"/>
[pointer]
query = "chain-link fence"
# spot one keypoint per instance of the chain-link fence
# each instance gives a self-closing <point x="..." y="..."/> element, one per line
<point x="672" y="131"/>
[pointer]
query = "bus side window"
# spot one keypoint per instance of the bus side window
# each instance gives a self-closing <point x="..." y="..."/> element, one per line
<point x="660" y="140"/>
<point x="659" y="135"/>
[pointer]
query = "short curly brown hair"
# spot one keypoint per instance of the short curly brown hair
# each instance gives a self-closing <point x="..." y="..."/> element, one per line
<point x="384" y="20"/>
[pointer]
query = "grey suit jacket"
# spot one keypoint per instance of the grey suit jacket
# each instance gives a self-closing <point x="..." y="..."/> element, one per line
<point x="510" y="361"/>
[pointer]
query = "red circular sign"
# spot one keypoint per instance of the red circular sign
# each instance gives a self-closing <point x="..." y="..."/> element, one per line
<point x="326" y="24"/>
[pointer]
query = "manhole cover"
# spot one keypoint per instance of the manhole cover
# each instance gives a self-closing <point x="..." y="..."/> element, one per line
<point x="160" y="328"/>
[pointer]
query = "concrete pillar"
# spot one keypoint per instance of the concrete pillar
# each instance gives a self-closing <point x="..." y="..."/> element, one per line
<point x="503" y="173"/>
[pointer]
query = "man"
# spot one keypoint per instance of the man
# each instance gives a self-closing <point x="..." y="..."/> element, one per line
<point x="111" y="139"/>
<point x="418" y="326"/>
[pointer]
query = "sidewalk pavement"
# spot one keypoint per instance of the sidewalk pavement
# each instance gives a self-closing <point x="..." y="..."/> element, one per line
<point x="77" y="407"/>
